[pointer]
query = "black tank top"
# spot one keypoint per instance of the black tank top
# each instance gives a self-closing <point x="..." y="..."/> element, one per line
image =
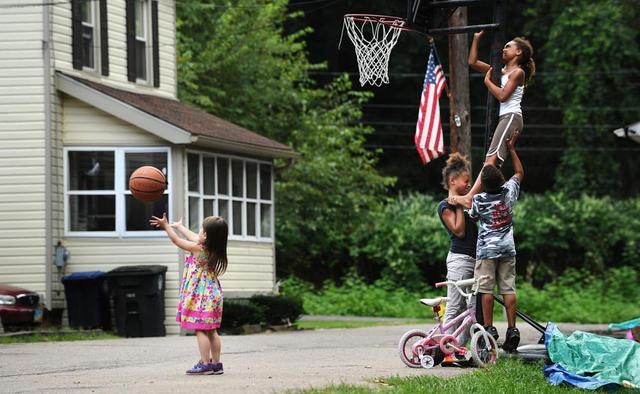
<point x="467" y="244"/>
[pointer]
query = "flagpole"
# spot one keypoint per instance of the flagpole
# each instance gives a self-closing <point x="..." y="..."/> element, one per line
<point x="453" y="126"/>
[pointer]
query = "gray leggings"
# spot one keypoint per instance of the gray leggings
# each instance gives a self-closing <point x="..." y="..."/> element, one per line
<point x="459" y="266"/>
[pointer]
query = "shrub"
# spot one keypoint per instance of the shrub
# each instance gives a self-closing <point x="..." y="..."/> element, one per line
<point x="237" y="313"/>
<point x="407" y="244"/>
<point x="576" y="296"/>
<point x="278" y="309"/>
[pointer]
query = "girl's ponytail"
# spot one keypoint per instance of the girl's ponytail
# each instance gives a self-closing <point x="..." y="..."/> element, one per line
<point x="526" y="59"/>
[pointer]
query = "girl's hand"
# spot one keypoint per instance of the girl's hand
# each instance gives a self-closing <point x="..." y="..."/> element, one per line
<point x="177" y="224"/>
<point x="452" y="200"/>
<point x="478" y="35"/>
<point x="487" y="76"/>
<point x="159" y="222"/>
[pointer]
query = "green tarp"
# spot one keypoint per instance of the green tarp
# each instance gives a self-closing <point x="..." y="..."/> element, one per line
<point x="627" y="325"/>
<point x="603" y="358"/>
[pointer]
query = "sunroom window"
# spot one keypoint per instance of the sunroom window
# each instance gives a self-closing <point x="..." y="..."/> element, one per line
<point x="238" y="189"/>
<point x="98" y="201"/>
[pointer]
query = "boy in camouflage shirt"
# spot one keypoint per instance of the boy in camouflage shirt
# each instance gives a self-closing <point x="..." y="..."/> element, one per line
<point x="496" y="252"/>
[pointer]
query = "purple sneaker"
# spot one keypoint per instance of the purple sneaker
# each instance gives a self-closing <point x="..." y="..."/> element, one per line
<point x="215" y="368"/>
<point x="201" y="369"/>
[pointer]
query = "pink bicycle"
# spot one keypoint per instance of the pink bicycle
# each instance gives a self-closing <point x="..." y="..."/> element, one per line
<point x="426" y="349"/>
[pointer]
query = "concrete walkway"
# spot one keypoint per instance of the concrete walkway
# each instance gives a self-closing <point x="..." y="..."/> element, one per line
<point x="261" y="363"/>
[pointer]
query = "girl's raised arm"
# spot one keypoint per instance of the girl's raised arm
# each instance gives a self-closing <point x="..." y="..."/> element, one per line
<point x="473" y="54"/>
<point x="190" y="235"/>
<point x="183" y="244"/>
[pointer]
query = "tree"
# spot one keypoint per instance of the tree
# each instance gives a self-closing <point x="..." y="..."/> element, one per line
<point x="592" y="53"/>
<point x="236" y="61"/>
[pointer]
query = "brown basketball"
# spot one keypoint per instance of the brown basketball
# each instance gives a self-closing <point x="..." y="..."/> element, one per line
<point x="147" y="184"/>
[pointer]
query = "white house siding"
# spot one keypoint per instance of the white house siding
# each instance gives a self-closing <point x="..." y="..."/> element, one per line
<point x="22" y="148"/>
<point x="116" y="16"/>
<point x="251" y="268"/>
<point x="84" y="125"/>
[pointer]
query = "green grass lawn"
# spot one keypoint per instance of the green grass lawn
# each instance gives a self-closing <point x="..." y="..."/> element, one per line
<point x="507" y="376"/>
<point x="57" y="337"/>
<point x="326" y="324"/>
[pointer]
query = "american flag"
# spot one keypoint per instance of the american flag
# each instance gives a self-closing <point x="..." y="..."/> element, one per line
<point x="428" y="137"/>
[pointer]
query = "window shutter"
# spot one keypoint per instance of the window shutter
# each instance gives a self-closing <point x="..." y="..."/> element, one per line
<point x="156" y="46"/>
<point x="104" y="38"/>
<point x="76" y="34"/>
<point x="131" y="41"/>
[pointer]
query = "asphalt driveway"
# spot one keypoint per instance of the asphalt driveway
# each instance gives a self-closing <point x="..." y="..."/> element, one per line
<point x="260" y="363"/>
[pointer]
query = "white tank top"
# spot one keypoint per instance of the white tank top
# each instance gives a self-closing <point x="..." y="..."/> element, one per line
<point x="512" y="105"/>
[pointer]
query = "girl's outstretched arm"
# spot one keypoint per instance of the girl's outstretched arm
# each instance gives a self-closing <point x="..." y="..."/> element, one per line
<point x="502" y="94"/>
<point x="190" y="235"/>
<point x="183" y="244"/>
<point x="473" y="61"/>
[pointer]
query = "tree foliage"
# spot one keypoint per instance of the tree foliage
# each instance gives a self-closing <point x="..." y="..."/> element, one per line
<point x="236" y="60"/>
<point x="592" y="53"/>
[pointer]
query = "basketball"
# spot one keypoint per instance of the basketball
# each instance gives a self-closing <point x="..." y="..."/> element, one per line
<point x="147" y="184"/>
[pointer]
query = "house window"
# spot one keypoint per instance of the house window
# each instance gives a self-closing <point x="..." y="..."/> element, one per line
<point x="90" y="36"/>
<point x="98" y="201"/>
<point x="89" y="33"/>
<point x="142" y="39"/>
<point x="240" y="190"/>
<point x="143" y="47"/>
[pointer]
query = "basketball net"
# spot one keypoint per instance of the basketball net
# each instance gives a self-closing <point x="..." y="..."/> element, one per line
<point x="373" y="42"/>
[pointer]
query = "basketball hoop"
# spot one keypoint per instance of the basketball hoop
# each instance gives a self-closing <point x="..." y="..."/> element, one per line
<point x="373" y="36"/>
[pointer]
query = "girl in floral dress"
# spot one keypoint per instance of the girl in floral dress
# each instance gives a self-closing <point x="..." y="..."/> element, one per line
<point x="200" y="302"/>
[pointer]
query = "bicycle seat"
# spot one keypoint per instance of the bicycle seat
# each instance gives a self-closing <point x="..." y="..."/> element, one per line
<point x="434" y="301"/>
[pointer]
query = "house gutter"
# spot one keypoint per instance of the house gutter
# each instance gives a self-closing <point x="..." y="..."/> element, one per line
<point x="48" y="164"/>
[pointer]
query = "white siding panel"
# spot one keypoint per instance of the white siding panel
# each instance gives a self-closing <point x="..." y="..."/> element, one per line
<point x="86" y="125"/>
<point x="22" y="227"/>
<point x="117" y="48"/>
<point x="251" y="267"/>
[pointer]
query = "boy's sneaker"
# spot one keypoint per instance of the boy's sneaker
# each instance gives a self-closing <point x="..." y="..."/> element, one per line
<point x="493" y="332"/>
<point x="216" y="368"/>
<point x="200" y="369"/>
<point x="512" y="340"/>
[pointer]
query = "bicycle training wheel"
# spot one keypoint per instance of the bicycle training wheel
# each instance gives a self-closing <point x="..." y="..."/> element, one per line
<point x="405" y="349"/>
<point x="482" y="354"/>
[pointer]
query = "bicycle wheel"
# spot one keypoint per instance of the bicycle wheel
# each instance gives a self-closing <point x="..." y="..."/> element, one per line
<point x="482" y="354"/>
<point x="405" y="349"/>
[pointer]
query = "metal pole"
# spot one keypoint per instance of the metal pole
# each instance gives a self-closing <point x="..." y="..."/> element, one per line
<point x="499" y="16"/>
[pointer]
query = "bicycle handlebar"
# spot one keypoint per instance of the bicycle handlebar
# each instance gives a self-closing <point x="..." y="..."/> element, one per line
<point x="461" y="283"/>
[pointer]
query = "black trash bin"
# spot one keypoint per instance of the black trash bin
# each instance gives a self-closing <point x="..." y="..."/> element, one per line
<point x="138" y="299"/>
<point x="87" y="300"/>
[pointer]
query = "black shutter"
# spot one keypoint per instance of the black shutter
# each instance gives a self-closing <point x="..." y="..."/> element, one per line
<point x="104" y="38"/>
<point x="131" y="41"/>
<point x="156" y="46"/>
<point x="76" y="34"/>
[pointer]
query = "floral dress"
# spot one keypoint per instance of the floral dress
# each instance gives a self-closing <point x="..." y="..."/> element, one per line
<point x="200" y="302"/>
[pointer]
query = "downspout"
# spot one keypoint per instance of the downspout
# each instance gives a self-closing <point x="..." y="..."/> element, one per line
<point x="48" y="253"/>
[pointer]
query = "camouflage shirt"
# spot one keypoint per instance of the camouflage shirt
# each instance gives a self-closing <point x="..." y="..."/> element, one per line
<point x="495" y="236"/>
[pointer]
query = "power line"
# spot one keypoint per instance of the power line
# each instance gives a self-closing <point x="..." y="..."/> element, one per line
<point x="478" y="75"/>
<point x="524" y="149"/>
<point x="479" y="125"/>
<point x="524" y="109"/>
